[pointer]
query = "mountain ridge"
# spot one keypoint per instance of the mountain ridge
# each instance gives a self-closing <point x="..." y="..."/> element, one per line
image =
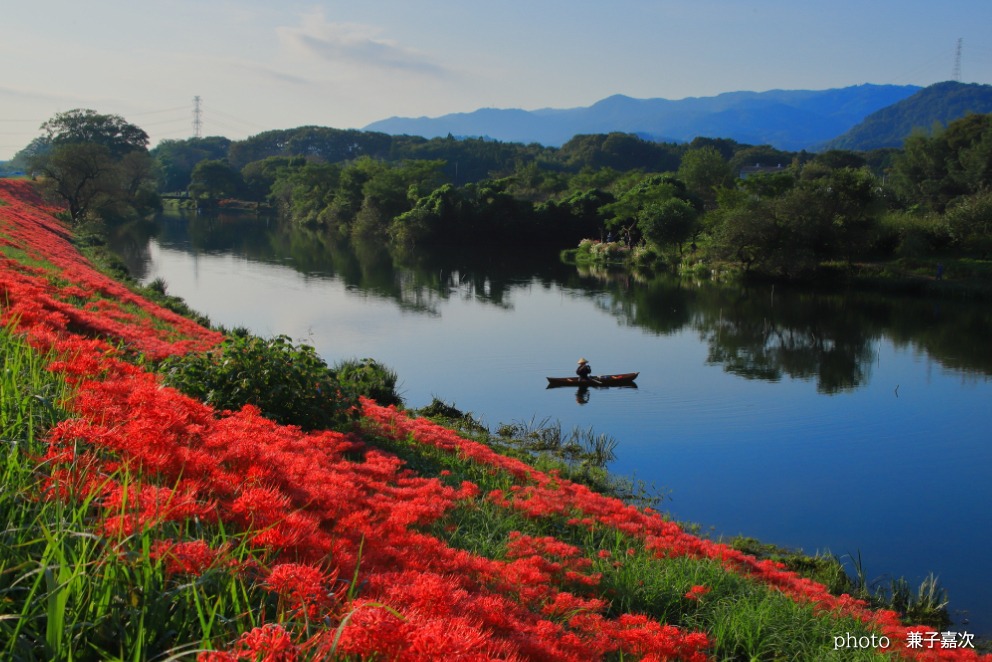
<point x="786" y="119"/>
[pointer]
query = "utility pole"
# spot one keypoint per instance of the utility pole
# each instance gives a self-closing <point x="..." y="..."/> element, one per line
<point x="198" y="121"/>
<point x="957" y="62"/>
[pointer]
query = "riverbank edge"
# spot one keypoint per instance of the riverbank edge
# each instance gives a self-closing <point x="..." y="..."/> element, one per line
<point x="963" y="279"/>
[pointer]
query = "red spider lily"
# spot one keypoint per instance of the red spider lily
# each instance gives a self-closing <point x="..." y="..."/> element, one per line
<point x="304" y="588"/>
<point x="187" y="557"/>
<point x="271" y="643"/>
<point x="696" y="592"/>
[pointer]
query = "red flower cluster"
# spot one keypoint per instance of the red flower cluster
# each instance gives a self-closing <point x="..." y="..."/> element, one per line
<point x="50" y="289"/>
<point x="542" y="495"/>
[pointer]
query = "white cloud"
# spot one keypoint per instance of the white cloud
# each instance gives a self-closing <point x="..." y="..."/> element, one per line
<point x="353" y="45"/>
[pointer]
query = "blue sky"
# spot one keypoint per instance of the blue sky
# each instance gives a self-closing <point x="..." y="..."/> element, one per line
<point x="273" y="64"/>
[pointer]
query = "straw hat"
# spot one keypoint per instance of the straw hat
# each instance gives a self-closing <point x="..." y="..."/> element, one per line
<point x="581" y="361"/>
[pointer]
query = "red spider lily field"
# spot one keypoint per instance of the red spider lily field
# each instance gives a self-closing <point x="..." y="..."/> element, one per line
<point x="144" y="524"/>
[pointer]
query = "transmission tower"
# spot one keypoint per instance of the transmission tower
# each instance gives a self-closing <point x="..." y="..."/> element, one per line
<point x="197" y="119"/>
<point x="957" y="62"/>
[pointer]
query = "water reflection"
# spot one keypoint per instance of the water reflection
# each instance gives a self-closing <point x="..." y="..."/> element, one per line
<point x="582" y="395"/>
<point x="757" y="333"/>
<point x="763" y="336"/>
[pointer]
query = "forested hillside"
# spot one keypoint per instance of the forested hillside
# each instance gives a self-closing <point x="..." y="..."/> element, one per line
<point x="938" y="104"/>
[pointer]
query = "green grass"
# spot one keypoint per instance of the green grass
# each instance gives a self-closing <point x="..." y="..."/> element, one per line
<point x="69" y="594"/>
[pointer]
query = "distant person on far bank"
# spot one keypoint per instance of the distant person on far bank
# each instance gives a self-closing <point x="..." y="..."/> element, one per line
<point x="584" y="370"/>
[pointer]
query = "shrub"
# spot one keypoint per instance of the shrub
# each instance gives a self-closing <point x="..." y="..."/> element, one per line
<point x="912" y="235"/>
<point x="289" y="383"/>
<point x="370" y="378"/>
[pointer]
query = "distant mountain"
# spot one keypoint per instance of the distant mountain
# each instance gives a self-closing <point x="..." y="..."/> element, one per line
<point x="786" y="119"/>
<point x="890" y="126"/>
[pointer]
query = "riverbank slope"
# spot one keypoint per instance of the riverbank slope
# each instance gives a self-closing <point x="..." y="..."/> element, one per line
<point x="168" y="527"/>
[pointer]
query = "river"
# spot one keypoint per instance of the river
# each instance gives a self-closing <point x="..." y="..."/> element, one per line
<point x="851" y="423"/>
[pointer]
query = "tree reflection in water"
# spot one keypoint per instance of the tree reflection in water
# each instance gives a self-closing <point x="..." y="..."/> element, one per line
<point x="756" y="332"/>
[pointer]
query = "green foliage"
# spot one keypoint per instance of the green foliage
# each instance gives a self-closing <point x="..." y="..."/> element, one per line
<point x="912" y="235"/>
<point x="705" y="170"/>
<point x="370" y="378"/>
<point x="289" y="383"/>
<point x="619" y="151"/>
<point x="84" y="126"/>
<point x="760" y="155"/>
<point x="318" y="143"/>
<point x="30" y="398"/>
<point x="969" y="223"/>
<point x="668" y="223"/>
<point x="304" y="191"/>
<point x="827" y="214"/>
<point x="215" y="179"/>
<point x="957" y="161"/>
<point x="175" y="159"/>
<point x="821" y="207"/>
<point x="96" y="165"/>
<point x="260" y="176"/>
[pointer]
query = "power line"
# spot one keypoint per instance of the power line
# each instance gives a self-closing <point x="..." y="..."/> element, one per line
<point x="158" y="112"/>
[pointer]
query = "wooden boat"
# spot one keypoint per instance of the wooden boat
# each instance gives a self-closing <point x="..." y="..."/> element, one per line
<point x="624" y="379"/>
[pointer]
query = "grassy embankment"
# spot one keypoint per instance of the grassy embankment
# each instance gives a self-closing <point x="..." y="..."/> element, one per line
<point x="143" y="523"/>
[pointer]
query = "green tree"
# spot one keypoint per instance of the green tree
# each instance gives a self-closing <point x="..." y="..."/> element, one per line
<point x="704" y="171"/>
<point x="215" y="179"/>
<point x="96" y="164"/>
<point x="176" y="159"/>
<point x="625" y="214"/>
<point x="969" y="221"/>
<point x="81" y="175"/>
<point x="846" y="205"/>
<point x="88" y="126"/>
<point x="260" y="176"/>
<point x="672" y="222"/>
<point x="432" y="218"/>
<point x="303" y="191"/>
<point x="957" y="161"/>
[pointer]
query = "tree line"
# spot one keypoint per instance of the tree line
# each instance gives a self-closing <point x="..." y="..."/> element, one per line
<point x="764" y="209"/>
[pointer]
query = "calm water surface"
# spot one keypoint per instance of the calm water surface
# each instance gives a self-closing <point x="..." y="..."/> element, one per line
<point x="854" y="424"/>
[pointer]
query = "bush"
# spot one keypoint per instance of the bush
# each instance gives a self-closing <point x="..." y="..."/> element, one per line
<point x="969" y="222"/>
<point x="370" y="378"/>
<point x="911" y="235"/>
<point x="593" y="251"/>
<point x="289" y="383"/>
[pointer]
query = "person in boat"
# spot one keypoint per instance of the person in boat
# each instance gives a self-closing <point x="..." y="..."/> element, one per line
<point x="584" y="370"/>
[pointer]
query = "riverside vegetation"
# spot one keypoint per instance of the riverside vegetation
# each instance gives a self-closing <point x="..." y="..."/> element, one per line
<point x="917" y="216"/>
<point x="241" y="524"/>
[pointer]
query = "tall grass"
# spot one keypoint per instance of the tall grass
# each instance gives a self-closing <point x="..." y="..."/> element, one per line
<point x="68" y="593"/>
